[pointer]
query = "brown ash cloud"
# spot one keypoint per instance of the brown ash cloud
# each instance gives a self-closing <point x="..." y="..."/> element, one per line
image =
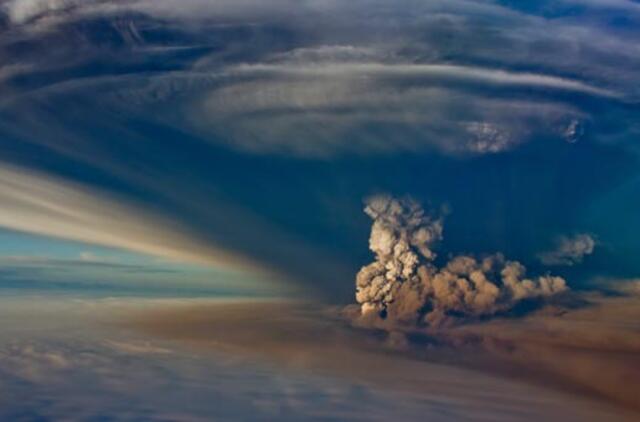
<point x="404" y="285"/>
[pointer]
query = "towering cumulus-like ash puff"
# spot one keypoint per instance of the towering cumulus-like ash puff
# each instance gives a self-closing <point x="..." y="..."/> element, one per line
<point x="405" y="286"/>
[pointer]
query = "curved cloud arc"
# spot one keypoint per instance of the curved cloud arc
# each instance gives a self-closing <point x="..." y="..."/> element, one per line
<point x="480" y="74"/>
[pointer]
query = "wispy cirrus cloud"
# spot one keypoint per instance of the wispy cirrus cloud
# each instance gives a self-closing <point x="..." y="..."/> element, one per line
<point x="317" y="104"/>
<point x="444" y="73"/>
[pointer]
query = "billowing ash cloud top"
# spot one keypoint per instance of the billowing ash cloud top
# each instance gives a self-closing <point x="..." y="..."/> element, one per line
<point x="405" y="286"/>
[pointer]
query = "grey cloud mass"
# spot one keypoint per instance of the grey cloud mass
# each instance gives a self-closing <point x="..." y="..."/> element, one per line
<point x="336" y="91"/>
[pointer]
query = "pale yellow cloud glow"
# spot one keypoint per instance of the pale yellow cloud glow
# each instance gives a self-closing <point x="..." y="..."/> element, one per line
<point x="40" y="204"/>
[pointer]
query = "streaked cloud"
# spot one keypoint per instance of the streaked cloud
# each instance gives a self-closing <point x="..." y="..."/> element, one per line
<point x="320" y="108"/>
<point x="444" y="71"/>
<point x="37" y="203"/>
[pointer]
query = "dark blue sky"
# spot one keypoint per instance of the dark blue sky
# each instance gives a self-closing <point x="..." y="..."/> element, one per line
<point x="247" y="135"/>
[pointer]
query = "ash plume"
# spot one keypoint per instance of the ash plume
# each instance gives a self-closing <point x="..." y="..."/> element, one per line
<point x="404" y="285"/>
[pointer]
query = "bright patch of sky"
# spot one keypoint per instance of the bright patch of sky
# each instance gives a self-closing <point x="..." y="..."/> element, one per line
<point x="35" y="264"/>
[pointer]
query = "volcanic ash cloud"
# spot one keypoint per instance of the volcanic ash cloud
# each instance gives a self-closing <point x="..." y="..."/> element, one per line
<point x="405" y="286"/>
